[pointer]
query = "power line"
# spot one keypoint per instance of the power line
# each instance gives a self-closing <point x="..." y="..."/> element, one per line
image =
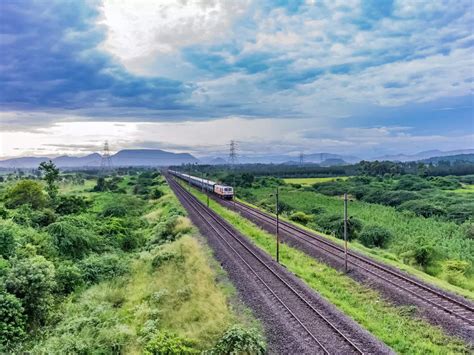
<point x="106" y="161"/>
<point x="301" y="158"/>
<point x="233" y="152"/>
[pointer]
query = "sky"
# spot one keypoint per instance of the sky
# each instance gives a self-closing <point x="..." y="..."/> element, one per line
<point x="365" y="78"/>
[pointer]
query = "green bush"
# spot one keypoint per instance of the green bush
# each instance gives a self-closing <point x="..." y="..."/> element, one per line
<point x="26" y="192"/>
<point x="300" y="217"/>
<point x="156" y="193"/>
<point x="71" y="241"/>
<point x="68" y="277"/>
<point x="42" y="218"/>
<point x="166" y="343"/>
<point x="118" y="233"/>
<point x="32" y="280"/>
<point x="334" y="224"/>
<point x="420" y="253"/>
<point x="96" y="268"/>
<point x="454" y="271"/>
<point x="238" y="340"/>
<point x="422" y="208"/>
<point x="12" y="322"/>
<point x="3" y="212"/>
<point x="375" y="236"/>
<point x="7" y="240"/>
<point x="164" y="257"/>
<point x="71" y="204"/>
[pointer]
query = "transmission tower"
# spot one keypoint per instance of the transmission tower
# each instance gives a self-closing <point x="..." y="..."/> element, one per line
<point x="301" y="158"/>
<point x="106" y="161"/>
<point x="233" y="152"/>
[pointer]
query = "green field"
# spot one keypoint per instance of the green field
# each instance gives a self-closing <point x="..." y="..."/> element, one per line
<point x="313" y="180"/>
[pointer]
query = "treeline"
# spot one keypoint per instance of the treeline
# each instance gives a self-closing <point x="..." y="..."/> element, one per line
<point x="370" y="168"/>
<point x="423" y="196"/>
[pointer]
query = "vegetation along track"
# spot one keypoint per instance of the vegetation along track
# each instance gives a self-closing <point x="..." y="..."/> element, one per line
<point x="458" y="309"/>
<point x="279" y="296"/>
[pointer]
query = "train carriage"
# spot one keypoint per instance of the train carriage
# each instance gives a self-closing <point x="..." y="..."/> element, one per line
<point x="223" y="191"/>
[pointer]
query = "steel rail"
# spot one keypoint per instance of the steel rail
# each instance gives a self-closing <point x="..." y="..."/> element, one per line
<point x="189" y="197"/>
<point x="289" y="228"/>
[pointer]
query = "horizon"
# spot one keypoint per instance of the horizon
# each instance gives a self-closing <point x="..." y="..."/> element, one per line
<point x="366" y="79"/>
<point x="225" y="157"/>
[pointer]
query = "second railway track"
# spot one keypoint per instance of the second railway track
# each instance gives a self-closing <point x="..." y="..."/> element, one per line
<point x="326" y="331"/>
<point x="454" y="306"/>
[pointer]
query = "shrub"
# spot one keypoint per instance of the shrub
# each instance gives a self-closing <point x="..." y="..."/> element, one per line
<point x="375" y="236"/>
<point x="238" y="340"/>
<point x="422" y="208"/>
<point x="412" y="183"/>
<point x="114" y="211"/>
<point x="70" y="240"/>
<point x="96" y="268"/>
<point x="71" y="204"/>
<point x="156" y="193"/>
<point x="334" y="224"/>
<point x="300" y="217"/>
<point x="7" y="241"/>
<point x="32" y="280"/>
<point x="26" y="192"/>
<point x="3" y="212"/>
<point x="43" y="217"/>
<point x="164" y="343"/>
<point x="165" y="257"/>
<point x="420" y="253"/>
<point x="68" y="277"/>
<point x="117" y="232"/>
<point x="171" y="229"/>
<point x="454" y="271"/>
<point x="12" y="321"/>
<point x="468" y="229"/>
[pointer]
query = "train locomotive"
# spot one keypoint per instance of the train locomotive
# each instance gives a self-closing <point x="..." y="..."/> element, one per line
<point x="223" y="191"/>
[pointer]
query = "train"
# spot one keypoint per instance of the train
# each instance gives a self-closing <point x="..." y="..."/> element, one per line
<point x="222" y="191"/>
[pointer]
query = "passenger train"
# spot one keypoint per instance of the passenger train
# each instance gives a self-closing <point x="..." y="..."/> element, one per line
<point x="223" y="191"/>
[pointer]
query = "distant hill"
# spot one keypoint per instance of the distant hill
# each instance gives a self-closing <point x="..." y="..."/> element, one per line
<point x="151" y="157"/>
<point x="328" y="157"/>
<point x="423" y="155"/>
<point x="128" y="157"/>
<point x="451" y="158"/>
<point x="315" y="158"/>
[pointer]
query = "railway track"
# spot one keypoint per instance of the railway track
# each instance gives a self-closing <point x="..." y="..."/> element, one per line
<point x="325" y="330"/>
<point x="460" y="309"/>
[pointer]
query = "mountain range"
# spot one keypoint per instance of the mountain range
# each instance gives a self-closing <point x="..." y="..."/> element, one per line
<point x="423" y="155"/>
<point x="127" y="157"/>
<point x="156" y="157"/>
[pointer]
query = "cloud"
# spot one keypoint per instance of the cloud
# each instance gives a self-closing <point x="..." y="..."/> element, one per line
<point x="332" y="63"/>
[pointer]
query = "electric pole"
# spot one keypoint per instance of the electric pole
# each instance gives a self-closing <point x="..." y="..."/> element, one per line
<point x="233" y="160"/>
<point x="301" y="159"/>
<point x="345" y="232"/>
<point x="106" y="160"/>
<point x="277" y="227"/>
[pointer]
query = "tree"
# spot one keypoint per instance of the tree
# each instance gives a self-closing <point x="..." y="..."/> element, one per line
<point x="26" y="192"/>
<point x="7" y="241"/>
<point x="32" y="280"/>
<point x="51" y="176"/>
<point x="12" y="321"/>
<point x="375" y="236"/>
